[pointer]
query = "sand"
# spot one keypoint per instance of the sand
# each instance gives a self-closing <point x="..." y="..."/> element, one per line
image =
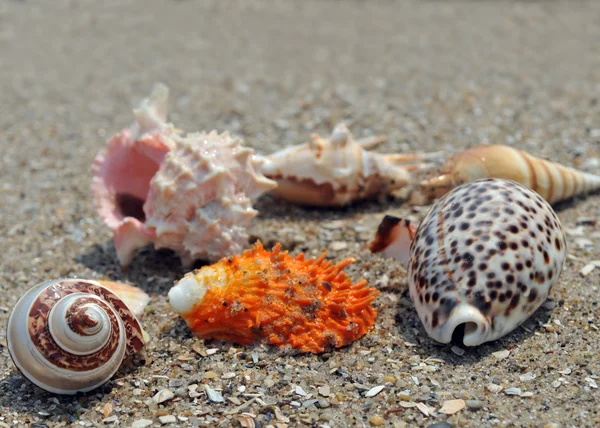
<point x="429" y="75"/>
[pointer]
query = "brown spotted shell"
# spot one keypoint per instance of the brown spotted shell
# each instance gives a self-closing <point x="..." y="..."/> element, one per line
<point x="71" y="335"/>
<point x="483" y="259"/>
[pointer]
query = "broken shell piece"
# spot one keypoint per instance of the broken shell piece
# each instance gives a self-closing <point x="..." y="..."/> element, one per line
<point x="483" y="259"/>
<point x="337" y="171"/>
<point x="189" y="193"/>
<point x="393" y="239"/>
<point x="134" y="297"/>
<point x="554" y="182"/>
<point x="71" y="335"/>
<point x="268" y="296"/>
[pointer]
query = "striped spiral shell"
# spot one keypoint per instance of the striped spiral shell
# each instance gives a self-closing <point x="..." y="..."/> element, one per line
<point x="552" y="181"/>
<point x="71" y="335"/>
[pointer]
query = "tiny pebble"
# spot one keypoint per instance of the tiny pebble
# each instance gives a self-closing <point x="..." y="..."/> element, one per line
<point x="527" y="377"/>
<point x="338" y="246"/>
<point x="167" y="419"/>
<point x="210" y="375"/>
<point x="500" y="355"/>
<point x="141" y="423"/>
<point x="376" y="420"/>
<point x="475" y="404"/>
<point x="587" y="269"/>
<point x="323" y="403"/>
<point x="440" y="425"/>
<point x="512" y="391"/>
<point x="110" y="420"/>
<point x="492" y="387"/>
<point x="325" y="390"/>
<point x="390" y="379"/>
<point x="458" y="351"/>
<point x="163" y="395"/>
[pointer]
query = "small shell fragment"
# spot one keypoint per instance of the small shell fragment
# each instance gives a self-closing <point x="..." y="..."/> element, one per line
<point x="374" y="391"/>
<point x="500" y="355"/>
<point x="527" y="377"/>
<point x="393" y="238"/>
<point x="423" y="408"/>
<point x="512" y="391"/>
<point x="134" y="297"/>
<point x="493" y="388"/>
<point x="451" y="407"/>
<point x="213" y="395"/>
<point x="587" y="269"/>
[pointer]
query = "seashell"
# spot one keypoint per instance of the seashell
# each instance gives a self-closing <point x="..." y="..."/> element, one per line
<point x="190" y="193"/>
<point x="483" y="259"/>
<point x="270" y="297"/>
<point x="338" y="171"/>
<point x="554" y="182"/>
<point x="71" y="335"/>
<point x="134" y="297"/>
<point x="393" y="238"/>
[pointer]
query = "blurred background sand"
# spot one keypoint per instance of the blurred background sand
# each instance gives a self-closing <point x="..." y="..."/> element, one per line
<point x="430" y="75"/>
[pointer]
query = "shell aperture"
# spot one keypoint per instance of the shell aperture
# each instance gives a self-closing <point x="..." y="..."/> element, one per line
<point x="483" y="259"/>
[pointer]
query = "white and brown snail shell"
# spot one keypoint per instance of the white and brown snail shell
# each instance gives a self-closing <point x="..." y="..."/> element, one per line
<point x="71" y="335"/>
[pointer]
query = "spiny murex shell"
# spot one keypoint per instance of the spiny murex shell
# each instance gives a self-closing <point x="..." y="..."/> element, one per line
<point x="190" y="193"/>
<point x="338" y="170"/>
<point x="71" y="335"/>
<point x="483" y="259"/>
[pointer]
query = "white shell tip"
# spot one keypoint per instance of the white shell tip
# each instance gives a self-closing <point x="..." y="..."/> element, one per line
<point x="186" y="293"/>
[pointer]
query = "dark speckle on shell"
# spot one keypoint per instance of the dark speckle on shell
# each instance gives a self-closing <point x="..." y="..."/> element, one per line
<point x="487" y="252"/>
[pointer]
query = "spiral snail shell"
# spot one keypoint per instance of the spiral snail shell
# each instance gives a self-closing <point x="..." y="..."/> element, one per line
<point x="71" y="335"/>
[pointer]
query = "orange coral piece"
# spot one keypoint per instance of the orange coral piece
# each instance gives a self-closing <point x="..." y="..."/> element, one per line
<point x="275" y="298"/>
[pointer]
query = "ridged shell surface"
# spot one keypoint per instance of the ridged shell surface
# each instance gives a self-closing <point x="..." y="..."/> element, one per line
<point x="200" y="200"/>
<point x="71" y="335"/>
<point x="191" y="193"/>
<point x="483" y="259"/>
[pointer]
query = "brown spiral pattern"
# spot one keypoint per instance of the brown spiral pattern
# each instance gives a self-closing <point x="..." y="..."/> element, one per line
<point x="42" y="339"/>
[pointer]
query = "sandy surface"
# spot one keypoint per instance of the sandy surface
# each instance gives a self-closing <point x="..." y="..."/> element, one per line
<point x="430" y="75"/>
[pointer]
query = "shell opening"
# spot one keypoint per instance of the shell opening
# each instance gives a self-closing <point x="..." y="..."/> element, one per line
<point x="130" y="206"/>
<point x="466" y="326"/>
<point x="462" y="330"/>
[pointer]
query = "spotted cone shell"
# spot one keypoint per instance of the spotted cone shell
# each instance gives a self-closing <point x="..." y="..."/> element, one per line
<point x="483" y="259"/>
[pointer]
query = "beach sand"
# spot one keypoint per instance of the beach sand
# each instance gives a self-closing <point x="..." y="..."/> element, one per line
<point x="429" y="75"/>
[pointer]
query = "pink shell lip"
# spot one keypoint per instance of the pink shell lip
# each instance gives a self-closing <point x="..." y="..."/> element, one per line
<point x="123" y="171"/>
<point x="189" y="192"/>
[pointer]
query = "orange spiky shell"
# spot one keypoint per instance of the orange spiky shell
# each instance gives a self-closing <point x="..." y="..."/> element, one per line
<point x="272" y="297"/>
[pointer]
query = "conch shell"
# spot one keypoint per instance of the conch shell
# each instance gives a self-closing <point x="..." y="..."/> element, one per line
<point x="483" y="259"/>
<point x="71" y="335"/>
<point x="270" y="297"/>
<point x="554" y="182"/>
<point x="338" y="171"/>
<point x="190" y="193"/>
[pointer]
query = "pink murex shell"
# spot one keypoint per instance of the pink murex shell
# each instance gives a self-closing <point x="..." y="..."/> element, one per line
<point x="189" y="193"/>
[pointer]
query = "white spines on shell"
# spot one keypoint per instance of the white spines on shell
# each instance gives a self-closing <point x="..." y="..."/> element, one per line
<point x="200" y="200"/>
